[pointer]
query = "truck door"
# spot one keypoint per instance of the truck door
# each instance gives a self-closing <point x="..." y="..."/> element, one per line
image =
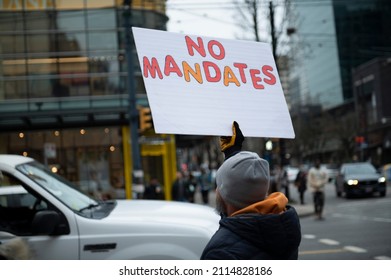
<point x="26" y="214"/>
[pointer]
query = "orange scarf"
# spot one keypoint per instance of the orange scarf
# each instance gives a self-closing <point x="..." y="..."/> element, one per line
<point x="275" y="203"/>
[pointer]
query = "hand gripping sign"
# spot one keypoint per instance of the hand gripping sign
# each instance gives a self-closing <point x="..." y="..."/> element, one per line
<point x="199" y="85"/>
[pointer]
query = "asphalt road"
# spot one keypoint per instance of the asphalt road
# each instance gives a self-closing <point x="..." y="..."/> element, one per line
<point x="353" y="229"/>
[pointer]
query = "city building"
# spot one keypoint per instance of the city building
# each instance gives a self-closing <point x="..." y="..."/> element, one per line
<point x="372" y="97"/>
<point x="64" y="90"/>
<point x="329" y="39"/>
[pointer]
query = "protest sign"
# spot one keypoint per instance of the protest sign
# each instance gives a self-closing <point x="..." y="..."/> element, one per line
<point x="199" y="85"/>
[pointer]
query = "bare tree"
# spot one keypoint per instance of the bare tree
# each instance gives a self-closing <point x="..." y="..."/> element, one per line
<point x="263" y="20"/>
<point x="258" y="18"/>
<point x="248" y="11"/>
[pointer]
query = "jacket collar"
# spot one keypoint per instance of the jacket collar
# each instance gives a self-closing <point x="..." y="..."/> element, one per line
<point x="275" y="203"/>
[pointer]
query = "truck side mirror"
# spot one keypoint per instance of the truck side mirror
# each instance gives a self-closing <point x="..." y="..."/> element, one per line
<point x="45" y="222"/>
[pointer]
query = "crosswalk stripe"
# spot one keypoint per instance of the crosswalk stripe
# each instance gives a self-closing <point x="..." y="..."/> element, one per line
<point x="365" y="218"/>
<point x="382" y="220"/>
<point x="382" y="258"/>
<point x="329" y="241"/>
<point x="332" y="242"/>
<point x="354" y="249"/>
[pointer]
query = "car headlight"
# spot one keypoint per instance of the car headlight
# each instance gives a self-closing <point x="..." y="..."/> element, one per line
<point x="381" y="180"/>
<point x="352" y="182"/>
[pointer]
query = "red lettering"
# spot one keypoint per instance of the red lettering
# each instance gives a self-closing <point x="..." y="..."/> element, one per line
<point x="211" y="50"/>
<point x="256" y="79"/>
<point x="171" y="67"/>
<point x="241" y="67"/>
<point x="207" y="65"/>
<point x="193" y="45"/>
<point x="266" y="70"/>
<point x="152" y="68"/>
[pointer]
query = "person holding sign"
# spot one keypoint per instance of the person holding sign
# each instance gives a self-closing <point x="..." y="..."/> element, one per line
<point x="253" y="225"/>
<point x="183" y="73"/>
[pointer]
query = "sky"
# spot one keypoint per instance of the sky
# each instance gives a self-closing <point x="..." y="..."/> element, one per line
<point x="214" y="18"/>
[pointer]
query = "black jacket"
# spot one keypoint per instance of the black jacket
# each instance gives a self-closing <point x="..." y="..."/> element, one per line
<point x="256" y="236"/>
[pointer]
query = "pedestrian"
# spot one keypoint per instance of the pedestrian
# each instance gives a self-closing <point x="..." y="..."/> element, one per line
<point x="178" y="191"/>
<point x="205" y="184"/>
<point x="153" y="190"/>
<point x="190" y="188"/>
<point x="273" y="185"/>
<point x="317" y="179"/>
<point x="283" y="181"/>
<point x="253" y="225"/>
<point x="301" y="183"/>
<point x="15" y="249"/>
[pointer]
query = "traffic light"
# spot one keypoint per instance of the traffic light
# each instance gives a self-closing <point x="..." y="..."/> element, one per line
<point x="359" y="139"/>
<point x="145" y="118"/>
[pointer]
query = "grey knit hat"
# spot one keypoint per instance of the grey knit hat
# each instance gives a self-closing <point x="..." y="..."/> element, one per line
<point x="243" y="179"/>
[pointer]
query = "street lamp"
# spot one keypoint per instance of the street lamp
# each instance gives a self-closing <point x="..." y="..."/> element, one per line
<point x="269" y="145"/>
<point x="268" y="153"/>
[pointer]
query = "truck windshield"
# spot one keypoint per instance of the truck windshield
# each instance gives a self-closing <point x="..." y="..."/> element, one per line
<point x="58" y="186"/>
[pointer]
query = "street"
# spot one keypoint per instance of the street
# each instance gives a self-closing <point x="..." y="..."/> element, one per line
<point x="353" y="229"/>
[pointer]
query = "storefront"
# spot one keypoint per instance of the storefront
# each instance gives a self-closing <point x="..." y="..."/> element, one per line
<point x="64" y="96"/>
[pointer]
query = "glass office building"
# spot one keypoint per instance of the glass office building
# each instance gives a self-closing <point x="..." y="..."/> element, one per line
<point x="330" y="39"/>
<point x="63" y="82"/>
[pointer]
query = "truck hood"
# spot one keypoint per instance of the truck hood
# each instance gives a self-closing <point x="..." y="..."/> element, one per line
<point x="156" y="217"/>
<point x="165" y="211"/>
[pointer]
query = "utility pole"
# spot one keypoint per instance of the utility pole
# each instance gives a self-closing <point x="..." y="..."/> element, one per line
<point x="137" y="172"/>
<point x="273" y="31"/>
<point x="281" y="141"/>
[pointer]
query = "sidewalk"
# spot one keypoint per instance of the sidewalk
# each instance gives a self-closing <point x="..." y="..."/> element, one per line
<point x="302" y="210"/>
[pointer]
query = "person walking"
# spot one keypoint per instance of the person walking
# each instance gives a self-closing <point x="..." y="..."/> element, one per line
<point x="283" y="181"/>
<point x="253" y="225"/>
<point x="205" y="184"/>
<point x="178" y="191"/>
<point x="317" y="179"/>
<point x="154" y="190"/>
<point x="301" y="183"/>
<point x="190" y="188"/>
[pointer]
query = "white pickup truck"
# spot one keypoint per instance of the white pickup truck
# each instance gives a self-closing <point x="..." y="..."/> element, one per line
<point x="60" y="222"/>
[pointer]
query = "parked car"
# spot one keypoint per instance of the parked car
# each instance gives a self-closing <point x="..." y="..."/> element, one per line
<point x="360" y="178"/>
<point x="60" y="222"/>
<point x="292" y="173"/>
<point x="331" y="169"/>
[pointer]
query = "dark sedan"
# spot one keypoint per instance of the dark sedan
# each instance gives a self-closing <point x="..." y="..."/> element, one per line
<point x="358" y="179"/>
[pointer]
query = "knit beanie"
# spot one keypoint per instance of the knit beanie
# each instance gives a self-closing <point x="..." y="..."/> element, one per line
<point x="243" y="179"/>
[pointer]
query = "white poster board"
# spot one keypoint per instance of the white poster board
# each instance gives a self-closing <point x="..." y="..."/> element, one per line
<point x="199" y="85"/>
